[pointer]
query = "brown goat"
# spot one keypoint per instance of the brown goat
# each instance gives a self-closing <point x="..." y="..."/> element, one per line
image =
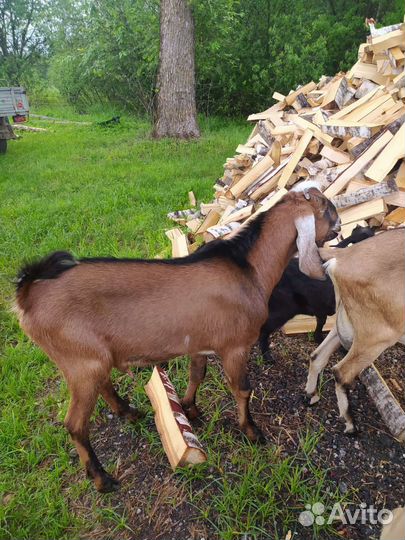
<point x="91" y="315"/>
<point x="369" y="282"/>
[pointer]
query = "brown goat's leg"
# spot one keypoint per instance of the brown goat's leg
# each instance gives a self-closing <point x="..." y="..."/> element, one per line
<point x="83" y="400"/>
<point x="348" y="369"/>
<point x="118" y="404"/>
<point x="235" y="368"/>
<point x="198" y="369"/>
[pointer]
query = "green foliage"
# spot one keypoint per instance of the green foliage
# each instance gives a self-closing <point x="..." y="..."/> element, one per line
<point x="101" y="51"/>
<point x="112" y="59"/>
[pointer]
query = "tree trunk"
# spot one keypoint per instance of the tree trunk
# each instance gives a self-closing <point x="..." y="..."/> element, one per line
<point x="176" y="109"/>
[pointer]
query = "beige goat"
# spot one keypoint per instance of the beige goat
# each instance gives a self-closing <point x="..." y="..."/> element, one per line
<point x="369" y="282"/>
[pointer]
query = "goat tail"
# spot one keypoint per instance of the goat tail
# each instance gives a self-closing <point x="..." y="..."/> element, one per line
<point x="50" y="267"/>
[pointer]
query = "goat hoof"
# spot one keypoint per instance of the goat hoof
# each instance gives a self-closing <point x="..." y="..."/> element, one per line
<point x="351" y="431"/>
<point x="318" y="338"/>
<point x="106" y="483"/>
<point x="134" y="415"/>
<point x="268" y="357"/>
<point x="255" y="434"/>
<point x="310" y="400"/>
<point x="191" y="411"/>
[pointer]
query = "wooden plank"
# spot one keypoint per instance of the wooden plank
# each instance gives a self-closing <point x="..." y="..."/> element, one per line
<point x="277" y="96"/>
<point x="387" y="41"/>
<point x="395" y="55"/>
<point x="361" y="112"/>
<point x="349" y="108"/>
<point x="296" y="156"/>
<point x="367" y="71"/>
<point x="191" y="198"/>
<point x="205" y="208"/>
<point x="301" y="324"/>
<point x="253" y="174"/>
<point x="364" y="210"/>
<point x="269" y="202"/>
<point x="289" y="100"/>
<point x="356" y="184"/>
<point x="394" y="151"/>
<point x="362" y="161"/>
<point x="335" y="155"/>
<point x="179" y="242"/>
<point x="305" y="124"/>
<point x="264" y="114"/>
<point x="266" y="177"/>
<point x="248" y="150"/>
<point x="238" y="215"/>
<point x="283" y="130"/>
<point x="275" y="118"/>
<point x="346" y="230"/>
<point x="353" y="142"/>
<point x="400" y="178"/>
<point x="266" y="187"/>
<point x="179" y="442"/>
<point x="193" y="225"/>
<point x="397" y="215"/>
<point x="211" y="219"/>
<point x="336" y="92"/>
<point x="396" y="199"/>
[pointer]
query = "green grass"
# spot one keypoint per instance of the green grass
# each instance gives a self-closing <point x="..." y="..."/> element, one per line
<point x="96" y="192"/>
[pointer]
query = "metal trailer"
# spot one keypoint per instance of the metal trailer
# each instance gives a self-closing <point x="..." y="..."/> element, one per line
<point x="14" y="103"/>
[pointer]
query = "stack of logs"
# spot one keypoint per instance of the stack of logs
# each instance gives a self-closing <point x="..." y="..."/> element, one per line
<point x="345" y="132"/>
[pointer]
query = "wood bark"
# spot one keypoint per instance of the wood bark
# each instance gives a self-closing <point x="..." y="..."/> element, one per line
<point x="388" y="407"/>
<point x="179" y="442"/>
<point x="365" y="194"/>
<point x="176" y="114"/>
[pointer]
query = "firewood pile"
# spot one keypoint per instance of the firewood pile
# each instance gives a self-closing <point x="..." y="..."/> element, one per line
<point x="345" y="132"/>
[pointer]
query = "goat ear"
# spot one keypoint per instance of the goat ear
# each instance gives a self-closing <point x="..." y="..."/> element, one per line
<point x="310" y="262"/>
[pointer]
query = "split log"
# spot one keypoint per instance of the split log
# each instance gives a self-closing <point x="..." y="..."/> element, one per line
<point x="390" y="410"/>
<point x="219" y="231"/>
<point x="237" y="215"/>
<point x="295" y="158"/>
<point x="301" y="324"/>
<point x="192" y="199"/>
<point x="211" y="219"/>
<point x="251" y="176"/>
<point x="58" y="120"/>
<point x="21" y="127"/>
<point x="179" y="242"/>
<point x="179" y="442"/>
<point x="366" y="194"/>
<point x="361" y="162"/>
<point x="394" y="151"/>
<point x="364" y="210"/>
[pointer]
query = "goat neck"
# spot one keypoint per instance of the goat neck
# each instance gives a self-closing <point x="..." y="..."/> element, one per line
<point x="273" y="249"/>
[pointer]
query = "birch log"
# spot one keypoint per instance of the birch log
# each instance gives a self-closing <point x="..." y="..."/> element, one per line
<point x="179" y="442"/>
<point x="390" y="410"/>
<point x="365" y="194"/>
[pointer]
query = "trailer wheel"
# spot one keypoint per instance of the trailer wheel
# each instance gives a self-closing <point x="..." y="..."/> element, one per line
<point x="3" y="146"/>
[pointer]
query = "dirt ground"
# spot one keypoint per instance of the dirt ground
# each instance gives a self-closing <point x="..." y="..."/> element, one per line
<point x="371" y="463"/>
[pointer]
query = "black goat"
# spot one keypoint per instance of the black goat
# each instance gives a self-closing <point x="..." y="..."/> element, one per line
<point x="298" y="294"/>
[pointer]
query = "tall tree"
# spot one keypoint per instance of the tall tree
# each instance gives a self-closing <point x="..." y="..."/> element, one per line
<point x="176" y="114"/>
<point x="21" y="36"/>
